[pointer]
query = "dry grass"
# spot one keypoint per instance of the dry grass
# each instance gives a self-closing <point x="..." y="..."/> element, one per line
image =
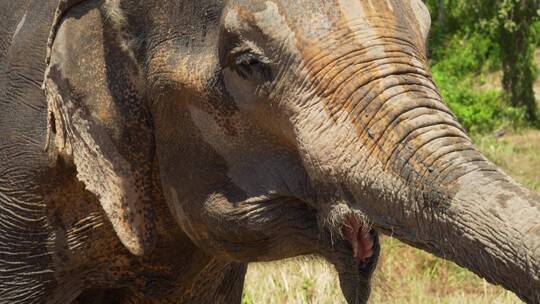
<point x="405" y="274"/>
<point x="518" y="154"/>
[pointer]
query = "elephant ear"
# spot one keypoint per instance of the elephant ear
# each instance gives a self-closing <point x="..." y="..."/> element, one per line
<point x="98" y="118"/>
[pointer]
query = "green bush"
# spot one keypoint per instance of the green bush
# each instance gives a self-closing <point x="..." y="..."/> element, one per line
<point x="462" y="55"/>
<point x="461" y="59"/>
<point x="479" y="111"/>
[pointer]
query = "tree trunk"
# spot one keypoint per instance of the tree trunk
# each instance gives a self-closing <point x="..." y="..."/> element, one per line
<point x="442" y="15"/>
<point x="517" y="54"/>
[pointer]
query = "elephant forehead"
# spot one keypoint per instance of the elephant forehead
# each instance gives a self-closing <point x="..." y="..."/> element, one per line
<point x="313" y="20"/>
<point x="317" y="33"/>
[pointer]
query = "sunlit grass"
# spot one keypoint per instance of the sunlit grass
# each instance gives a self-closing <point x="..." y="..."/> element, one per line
<point x="301" y="280"/>
<point x="405" y="274"/>
<point x="518" y="154"/>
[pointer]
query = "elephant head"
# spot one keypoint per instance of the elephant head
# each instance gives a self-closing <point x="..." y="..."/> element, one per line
<point x="281" y="128"/>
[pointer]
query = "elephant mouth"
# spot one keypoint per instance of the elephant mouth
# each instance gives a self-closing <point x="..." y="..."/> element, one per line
<point x="341" y="222"/>
<point x="360" y="237"/>
<point x="354" y="227"/>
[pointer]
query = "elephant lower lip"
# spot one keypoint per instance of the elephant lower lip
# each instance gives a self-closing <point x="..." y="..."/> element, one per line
<point x="359" y="238"/>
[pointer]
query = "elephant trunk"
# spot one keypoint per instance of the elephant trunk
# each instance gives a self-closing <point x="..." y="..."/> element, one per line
<point x="435" y="191"/>
<point x="490" y="225"/>
<point x="395" y="154"/>
<point x="483" y="221"/>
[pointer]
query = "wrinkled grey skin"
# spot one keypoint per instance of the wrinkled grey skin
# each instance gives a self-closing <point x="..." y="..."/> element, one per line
<point x="173" y="142"/>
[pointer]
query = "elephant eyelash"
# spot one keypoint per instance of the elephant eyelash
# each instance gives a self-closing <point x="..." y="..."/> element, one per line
<point x="249" y="64"/>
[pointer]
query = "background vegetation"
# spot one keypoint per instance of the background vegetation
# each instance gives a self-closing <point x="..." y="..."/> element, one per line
<point x="482" y="59"/>
<point x="482" y="55"/>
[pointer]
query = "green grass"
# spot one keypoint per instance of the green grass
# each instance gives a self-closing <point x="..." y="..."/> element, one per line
<point x="405" y="274"/>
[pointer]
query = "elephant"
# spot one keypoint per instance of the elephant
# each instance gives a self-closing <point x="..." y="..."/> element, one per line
<point x="151" y="149"/>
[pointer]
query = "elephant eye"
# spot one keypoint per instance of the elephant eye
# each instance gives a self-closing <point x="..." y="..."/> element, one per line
<point x="251" y="65"/>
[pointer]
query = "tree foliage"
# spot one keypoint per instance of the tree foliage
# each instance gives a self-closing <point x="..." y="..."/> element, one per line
<point x="474" y="37"/>
<point x="515" y="19"/>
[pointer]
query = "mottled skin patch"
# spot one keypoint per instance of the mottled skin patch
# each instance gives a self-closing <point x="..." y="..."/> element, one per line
<point x="218" y="133"/>
<point x="96" y="100"/>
